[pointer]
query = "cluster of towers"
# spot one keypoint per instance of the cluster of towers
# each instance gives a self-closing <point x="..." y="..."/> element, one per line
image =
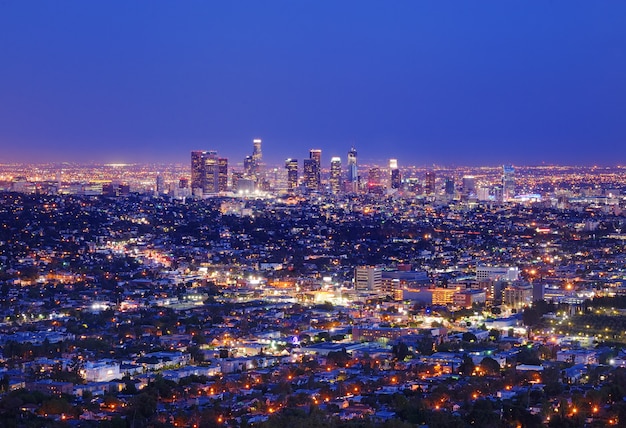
<point x="312" y="173"/>
<point x="209" y="175"/>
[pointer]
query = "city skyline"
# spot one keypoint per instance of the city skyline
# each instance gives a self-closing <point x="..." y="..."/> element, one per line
<point x="424" y="83"/>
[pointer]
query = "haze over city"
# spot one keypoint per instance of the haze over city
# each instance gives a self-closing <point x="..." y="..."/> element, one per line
<point x="452" y="83"/>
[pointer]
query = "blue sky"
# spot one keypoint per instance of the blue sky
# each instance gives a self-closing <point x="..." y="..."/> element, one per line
<point x="452" y="83"/>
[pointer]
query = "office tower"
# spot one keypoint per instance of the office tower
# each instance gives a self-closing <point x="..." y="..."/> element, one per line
<point x="252" y="163"/>
<point x="236" y="178"/>
<point x="395" y="178"/>
<point x="482" y="193"/>
<point x="353" y="173"/>
<point x="211" y="173"/>
<point x="508" y="182"/>
<point x="375" y="181"/>
<point x="160" y="185"/>
<point x="335" y="175"/>
<point x="291" y="165"/>
<point x="248" y="166"/>
<point x="429" y="183"/>
<point x="449" y="186"/>
<point x="316" y="155"/>
<point x="368" y="278"/>
<point x="310" y="174"/>
<point x="183" y="183"/>
<point x="222" y="173"/>
<point x="197" y="169"/>
<point x="469" y="185"/>
<point x="257" y="154"/>
<point x="497" y="273"/>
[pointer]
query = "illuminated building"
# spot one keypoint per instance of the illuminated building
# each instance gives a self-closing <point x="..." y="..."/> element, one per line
<point x="205" y="172"/>
<point x="211" y="173"/>
<point x="469" y="185"/>
<point x="375" y="181"/>
<point x="197" y="170"/>
<point x="517" y="296"/>
<point x="335" y="175"/>
<point x="316" y="155"/>
<point x="391" y="287"/>
<point x="396" y="179"/>
<point x="252" y="164"/>
<point x="444" y="296"/>
<point x="160" y="185"/>
<point x="312" y="176"/>
<point x="222" y="172"/>
<point x="466" y="298"/>
<point x="429" y="182"/>
<point x="497" y="273"/>
<point x="449" y="186"/>
<point x="291" y="165"/>
<point x="353" y="173"/>
<point x="508" y="182"/>
<point x="368" y="278"/>
<point x="235" y="179"/>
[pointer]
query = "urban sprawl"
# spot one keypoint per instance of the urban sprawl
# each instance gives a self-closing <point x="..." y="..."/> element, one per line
<point x="312" y="294"/>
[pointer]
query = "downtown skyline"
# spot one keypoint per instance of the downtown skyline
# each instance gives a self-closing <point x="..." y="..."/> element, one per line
<point x="425" y="83"/>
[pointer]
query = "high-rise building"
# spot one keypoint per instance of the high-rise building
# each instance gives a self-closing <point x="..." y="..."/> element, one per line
<point x="508" y="182"/>
<point x="375" y="181"/>
<point x="291" y="165"/>
<point x="316" y="155"/>
<point x="469" y="185"/>
<point x="211" y="173"/>
<point x="160" y="185"/>
<point x="429" y="183"/>
<point x="335" y="175"/>
<point x="257" y="154"/>
<point x="197" y="169"/>
<point x="206" y="172"/>
<point x="353" y="173"/>
<point x="395" y="177"/>
<point x="222" y="179"/>
<point x="310" y="174"/>
<point x="449" y="186"/>
<point x="368" y="278"/>
<point x="252" y="165"/>
<point x="312" y="170"/>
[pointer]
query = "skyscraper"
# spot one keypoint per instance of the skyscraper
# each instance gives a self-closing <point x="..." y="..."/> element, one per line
<point x="316" y="155"/>
<point x="222" y="179"/>
<point x="310" y="174"/>
<point x="211" y="173"/>
<point x="429" y="182"/>
<point x="449" y="186"/>
<point x="394" y="172"/>
<point x="291" y="165"/>
<point x="469" y="185"/>
<point x="353" y="173"/>
<point x="252" y="164"/>
<point x="207" y="171"/>
<point x="375" y="181"/>
<point x="312" y="170"/>
<point x="197" y="169"/>
<point x="508" y="182"/>
<point x="335" y="175"/>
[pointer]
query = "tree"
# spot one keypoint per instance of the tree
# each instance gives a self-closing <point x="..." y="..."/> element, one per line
<point x="467" y="366"/>
<point x="469" y="337"/>
<point x="530" y="317"/>
<point x="494" y="334"/>
<point x="400" y="351"/>
<point x="490" y="366"/>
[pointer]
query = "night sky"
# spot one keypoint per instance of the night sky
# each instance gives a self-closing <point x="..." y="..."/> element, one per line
<point x="427" y="82"/>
